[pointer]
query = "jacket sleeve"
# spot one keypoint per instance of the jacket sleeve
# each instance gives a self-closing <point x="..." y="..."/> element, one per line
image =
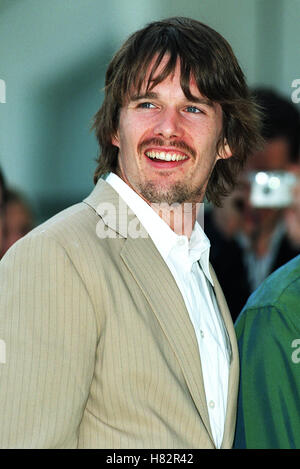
<point x="48" y="339"/>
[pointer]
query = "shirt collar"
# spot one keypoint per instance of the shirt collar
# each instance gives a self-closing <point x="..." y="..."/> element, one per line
<point x="200" y="249"/>
<point x="166" y="241"/>
<point x="185" y="253"/>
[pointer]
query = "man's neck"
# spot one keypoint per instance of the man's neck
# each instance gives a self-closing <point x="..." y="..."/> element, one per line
<point x="181" y="218"/>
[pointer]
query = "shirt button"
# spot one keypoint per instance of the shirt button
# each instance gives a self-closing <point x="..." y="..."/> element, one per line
<point x="202" y="334"/>
<point x="181" y="241"/>
<point x="211" y="404"/>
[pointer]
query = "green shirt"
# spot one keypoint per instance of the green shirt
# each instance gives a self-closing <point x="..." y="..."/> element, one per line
<point x="268" y="332"/>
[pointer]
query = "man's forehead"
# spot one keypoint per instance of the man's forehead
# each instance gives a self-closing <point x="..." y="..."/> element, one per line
<point x="154" y="71"/>
<point x="146" y="88"/>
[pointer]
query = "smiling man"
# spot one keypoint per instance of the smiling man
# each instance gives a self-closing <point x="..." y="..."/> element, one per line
<point x="167" y="142"/>
<point x="121" y="338"/>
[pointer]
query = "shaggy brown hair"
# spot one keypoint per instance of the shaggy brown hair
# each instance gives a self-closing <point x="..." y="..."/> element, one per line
<point x="203" y="54"/>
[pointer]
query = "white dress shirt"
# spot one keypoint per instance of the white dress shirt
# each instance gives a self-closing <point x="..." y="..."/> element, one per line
<point x="188" y="261"/>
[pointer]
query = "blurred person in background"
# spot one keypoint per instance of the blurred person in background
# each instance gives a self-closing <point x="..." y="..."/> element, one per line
<point x="19" y="219"/>
<point x="264" y="236"/>
<point x="251" y="241"/>
<point x="268" y="328"/>
<point x="292" y="213"/>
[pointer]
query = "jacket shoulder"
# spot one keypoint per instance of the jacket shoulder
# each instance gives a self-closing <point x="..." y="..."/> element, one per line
<point x="66" y="227"/>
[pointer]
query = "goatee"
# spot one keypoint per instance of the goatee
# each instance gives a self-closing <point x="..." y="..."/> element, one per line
<point x="179" y="193"/>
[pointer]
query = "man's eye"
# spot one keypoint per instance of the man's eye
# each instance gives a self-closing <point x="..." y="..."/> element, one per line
<point x="146" y="105"/>
<point x="193" y="109"/>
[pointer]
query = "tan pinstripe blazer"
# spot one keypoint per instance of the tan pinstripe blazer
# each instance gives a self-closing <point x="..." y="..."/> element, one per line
<point x="100" y="350"/>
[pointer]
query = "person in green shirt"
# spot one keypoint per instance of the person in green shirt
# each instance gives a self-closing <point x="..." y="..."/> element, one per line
<point x="268" y="333"/>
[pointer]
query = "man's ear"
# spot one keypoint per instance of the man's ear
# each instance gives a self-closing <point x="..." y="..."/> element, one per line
<point x="224" y="151"/>
<point x="115" y="140"/>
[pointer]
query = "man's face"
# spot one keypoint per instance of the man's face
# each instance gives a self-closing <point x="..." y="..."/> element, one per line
<point x="168" y="143"/>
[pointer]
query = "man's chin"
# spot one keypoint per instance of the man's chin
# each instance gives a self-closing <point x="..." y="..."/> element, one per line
<point x="177" y="194"/>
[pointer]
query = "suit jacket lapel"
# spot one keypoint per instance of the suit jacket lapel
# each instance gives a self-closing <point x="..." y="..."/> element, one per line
<point x="160" y="290"/>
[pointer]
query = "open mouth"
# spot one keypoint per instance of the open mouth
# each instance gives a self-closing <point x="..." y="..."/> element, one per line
<point x="165" y="159"/>
<point x="165" y="156"/>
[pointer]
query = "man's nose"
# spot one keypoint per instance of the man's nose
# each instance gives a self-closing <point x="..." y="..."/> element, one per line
<point x="168" y="124"/>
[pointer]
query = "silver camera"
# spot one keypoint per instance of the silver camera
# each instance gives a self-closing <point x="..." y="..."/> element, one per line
<point x="271" y="189"/>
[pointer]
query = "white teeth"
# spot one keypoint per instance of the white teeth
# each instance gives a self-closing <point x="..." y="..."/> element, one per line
<point x="166" y="156"/>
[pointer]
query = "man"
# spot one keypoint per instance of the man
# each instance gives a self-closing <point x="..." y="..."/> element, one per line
<point x="117" y="332"/>
<point x="268" y="332"/>
<point x="256" y="239"/>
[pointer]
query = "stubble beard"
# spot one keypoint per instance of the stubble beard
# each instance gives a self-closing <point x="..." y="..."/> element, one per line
<point x="179" y="193"/>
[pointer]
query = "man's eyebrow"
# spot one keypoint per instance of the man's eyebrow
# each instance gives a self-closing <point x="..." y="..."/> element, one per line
<point x="152" y="95"/>
<point x="201" y="100"/>
<point x="147" y="95"/>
